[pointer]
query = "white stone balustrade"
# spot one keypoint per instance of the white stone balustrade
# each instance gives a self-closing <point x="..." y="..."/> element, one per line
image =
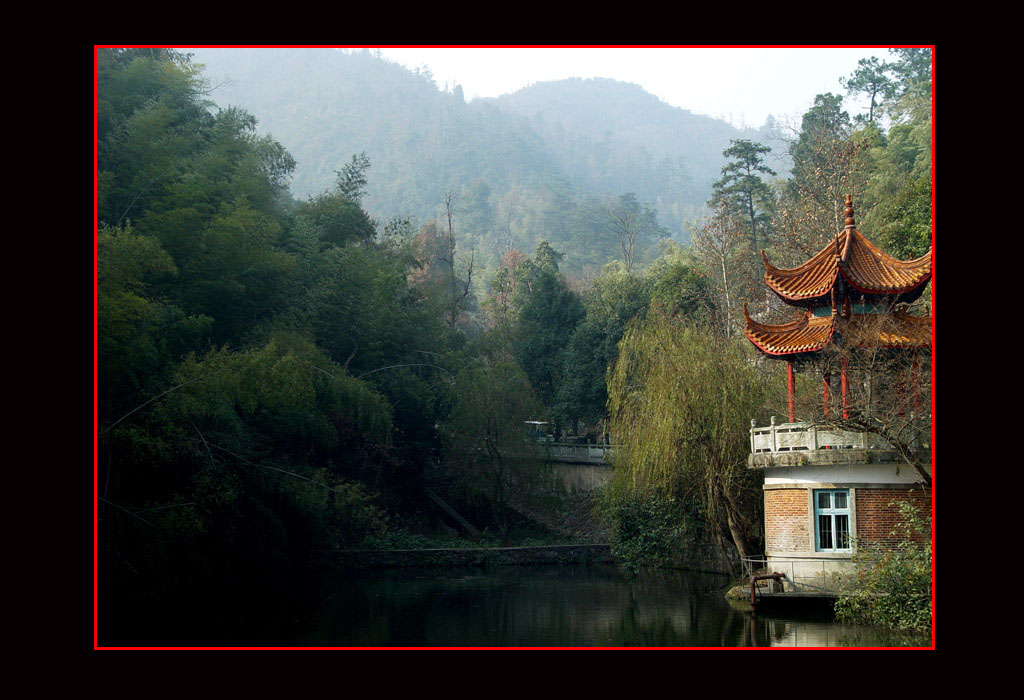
<point x="789" y="437"/>
<point x="801" y="443"/>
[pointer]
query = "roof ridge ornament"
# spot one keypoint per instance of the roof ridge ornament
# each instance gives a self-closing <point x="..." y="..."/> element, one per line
<point x="829" y="281"/>
<point x="847" y="232"/>
<point x="853" y="264"/>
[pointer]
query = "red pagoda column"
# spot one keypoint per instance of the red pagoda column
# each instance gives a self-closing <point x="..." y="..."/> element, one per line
<point x="789" y="387"/>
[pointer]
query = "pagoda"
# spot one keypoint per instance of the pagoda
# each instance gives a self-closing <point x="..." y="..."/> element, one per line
<point x="842" y="291"/>
<point x="827" y="490"/>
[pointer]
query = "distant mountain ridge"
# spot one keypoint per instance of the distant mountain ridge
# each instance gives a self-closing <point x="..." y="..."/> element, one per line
<point x="324" y="106"/>
<point x="532" y="165"/>
<point x="598" y="106"/>
<point x="669" y="155"/>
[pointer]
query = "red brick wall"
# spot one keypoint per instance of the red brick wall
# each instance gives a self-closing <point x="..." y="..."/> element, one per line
<point x="876" y="519"/>
<point x="786" y="520"/>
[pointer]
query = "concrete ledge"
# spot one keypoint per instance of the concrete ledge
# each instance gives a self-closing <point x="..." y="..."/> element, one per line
<point x="801" y="458"/>
<point x="804" y="485"/>
<point x="471" y="556"/>
<point x="818" y="556"/>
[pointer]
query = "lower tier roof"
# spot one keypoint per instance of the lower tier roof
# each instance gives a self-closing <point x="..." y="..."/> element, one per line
<point x="808" y="334"/>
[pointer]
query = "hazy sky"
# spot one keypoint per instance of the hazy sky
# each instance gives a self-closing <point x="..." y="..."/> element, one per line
<point x="742" y="86"/>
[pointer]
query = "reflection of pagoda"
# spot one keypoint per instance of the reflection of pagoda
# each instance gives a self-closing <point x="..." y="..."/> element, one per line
<point x="828" y="491"/>
<point x="849" y="289"/>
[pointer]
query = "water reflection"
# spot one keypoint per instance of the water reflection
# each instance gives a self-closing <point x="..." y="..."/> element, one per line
<point x="509" y="606"/>
<point x="553" y="606"/>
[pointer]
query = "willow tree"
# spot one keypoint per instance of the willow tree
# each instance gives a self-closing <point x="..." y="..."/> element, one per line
<point x="680" y="402"/>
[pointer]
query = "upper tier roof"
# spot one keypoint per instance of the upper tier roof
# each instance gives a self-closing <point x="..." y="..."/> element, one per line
<point x="861" y="264"/>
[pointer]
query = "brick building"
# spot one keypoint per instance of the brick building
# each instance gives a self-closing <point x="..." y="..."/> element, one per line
<point x="827" y="489"/>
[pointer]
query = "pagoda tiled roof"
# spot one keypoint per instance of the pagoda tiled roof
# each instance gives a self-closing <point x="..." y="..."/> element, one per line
<point x="808" y="333"/>
<point x="858" y="261"/>
<point x="895" y="330"/>
<point x="805" y="334"/>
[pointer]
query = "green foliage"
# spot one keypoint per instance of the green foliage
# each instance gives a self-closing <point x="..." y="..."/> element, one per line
<point x="905" y="220"/>
<point x="614" y="298"/>
<point x="680" y="289"/>
<point x="581" y="392"/>
<point x="893" y="587"/>
<point x="149" y="120"/>
<point x="246" y="464"/>
<point x="351" y="182"/>
<point x="743" y="190"/>
<point x="829" y="163"/>
<point x="680" y="404"/>
<point x="548" y="312"/>
<point x="670" y="285"/>
<point x="138" y="335"/>
<point x="894" y="199"/>
<point x="912" y="69"/>
<point x="237" y="273"/>
<point x="270" y="390"/>
<point x="646" y="529"/>
<point x="338" y="513"/>
<point x="490" y="462"/>
<point x="338" y="220"/>
<point x="236" y="461"/>
<point x="870" y="79"/>
<point x="899" y="189"/>
<point x="129" y="262"/>
<point x="824" y="128"/>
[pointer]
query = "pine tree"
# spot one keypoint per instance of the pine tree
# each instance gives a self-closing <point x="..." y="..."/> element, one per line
<point x="741" y="186"/>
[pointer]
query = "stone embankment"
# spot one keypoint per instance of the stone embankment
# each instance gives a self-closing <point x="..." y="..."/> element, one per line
<point x="472" y="556"/>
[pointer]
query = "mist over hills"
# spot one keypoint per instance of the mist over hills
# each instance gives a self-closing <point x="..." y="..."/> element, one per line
<point x="668" y="155"/>
<point x="566" y="140"/>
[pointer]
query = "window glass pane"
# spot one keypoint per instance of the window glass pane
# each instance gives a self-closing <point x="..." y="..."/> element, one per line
<point x="825" y="531"/>
<point x="842" y="531"/>
<point x="840" y="499"/>
<point x="824" y="499"/>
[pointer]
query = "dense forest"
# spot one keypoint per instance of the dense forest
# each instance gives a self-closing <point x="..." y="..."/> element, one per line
<point x="280" y="376"/>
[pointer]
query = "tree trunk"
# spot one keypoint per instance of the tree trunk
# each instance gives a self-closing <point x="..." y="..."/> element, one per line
<point x="737" y="534"/>
<point x="753" y="222"/>
<point x="471" y="531"/>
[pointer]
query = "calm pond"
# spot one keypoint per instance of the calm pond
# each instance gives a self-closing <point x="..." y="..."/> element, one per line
<point x="501" y="606"/>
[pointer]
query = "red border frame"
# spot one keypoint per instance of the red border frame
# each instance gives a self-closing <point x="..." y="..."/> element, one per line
<point x="95" y="336"/>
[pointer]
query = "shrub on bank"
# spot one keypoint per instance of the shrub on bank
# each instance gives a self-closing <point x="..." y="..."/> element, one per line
<point x="893" y="587"/>
<point x="646" y="530"/>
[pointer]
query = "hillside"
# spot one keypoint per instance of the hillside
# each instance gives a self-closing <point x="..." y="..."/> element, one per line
<point x="324" y="105"/>
<point x="533" y="165"/>
<point x="669" y="156"/>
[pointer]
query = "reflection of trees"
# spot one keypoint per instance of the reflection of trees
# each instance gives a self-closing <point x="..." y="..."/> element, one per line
<point x="546" y="606"/>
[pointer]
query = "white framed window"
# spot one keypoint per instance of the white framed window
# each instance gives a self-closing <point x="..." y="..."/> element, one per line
<point x="832" y="520"/>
